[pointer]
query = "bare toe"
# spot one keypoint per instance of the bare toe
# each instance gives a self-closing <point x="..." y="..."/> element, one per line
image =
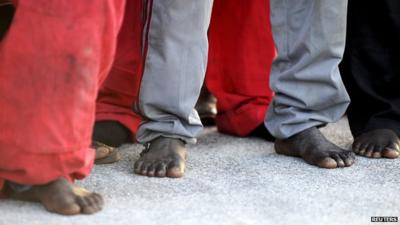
<point x="356" y="147"/>
<point x="362" y="152"/>
<point x="390" y="153"/>
<point x="98" y="200"/>
<point x="88" y="205"/>
<point x="348" y="158"/>
<point x="369" y="151"/>
<point x="328" y="163"/>
<point x="152" y="169"/>
<point x="161" y="170"/>
<point x="176" y="169"/>
<point x="138" y="166"/>
<point x="144" y="170"/>
<point x="377" y="153"/>
<point x="338" y="159"/>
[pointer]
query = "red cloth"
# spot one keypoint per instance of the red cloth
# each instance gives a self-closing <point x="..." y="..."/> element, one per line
<point x="51" y="63"/>
<point x="120" y="90"/>
<point x="240" y="56"/>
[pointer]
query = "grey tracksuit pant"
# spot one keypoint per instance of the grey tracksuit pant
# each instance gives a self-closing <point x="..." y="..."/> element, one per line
<point x="174" y="69"/>
<point x="310" y="39"/>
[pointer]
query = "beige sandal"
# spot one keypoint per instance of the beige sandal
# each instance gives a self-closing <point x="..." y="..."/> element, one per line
<point x="112" y="157"/>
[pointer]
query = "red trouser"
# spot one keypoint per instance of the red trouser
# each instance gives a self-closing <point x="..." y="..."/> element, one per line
<point x="52" y="61"/>
<point x="240" y="57"/>
<point x="121" y="88"/>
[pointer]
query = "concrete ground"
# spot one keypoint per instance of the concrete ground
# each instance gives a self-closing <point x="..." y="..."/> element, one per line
<point x="235" y="181"/>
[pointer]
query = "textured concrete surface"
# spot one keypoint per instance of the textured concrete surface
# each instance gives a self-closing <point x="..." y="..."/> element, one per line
<point x="235" y="181"/>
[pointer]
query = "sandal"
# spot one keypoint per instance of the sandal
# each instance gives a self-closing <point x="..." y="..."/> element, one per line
<point x="112" y="157"/>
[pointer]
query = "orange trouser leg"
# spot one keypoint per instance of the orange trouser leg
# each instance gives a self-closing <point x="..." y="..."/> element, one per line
<point x="51" y="63"/>
<point x="240" y="57"/>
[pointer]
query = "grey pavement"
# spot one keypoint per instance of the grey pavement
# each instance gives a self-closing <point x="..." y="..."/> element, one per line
<point x="235" y="181"/>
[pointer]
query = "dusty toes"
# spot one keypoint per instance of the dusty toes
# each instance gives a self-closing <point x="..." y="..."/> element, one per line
<point x="377" y="154"/>
<point x="64" y="207"/>
<point x="90" y="204"/>
<point x="137" y="168"/>
<point x="151" y="169"/>
<point x="156" y="169"/>
<point x="173" y="168"/>
<point x="348" y="157"/>
<point x="377" y="144"/>
<point x="161" y="170"/>
<point x="361" y="149"/>
<point x="61" y="197"/>
<point x="144" y="169"/>
<point x="327" y="163"/>
<point x="369" y="150"/>
<point x="390" y="153"/>
<point x="344" y="159"/>
<point x="356" y="147"/>
<point x="176" y="168"/>
<point x="337" y="160"/>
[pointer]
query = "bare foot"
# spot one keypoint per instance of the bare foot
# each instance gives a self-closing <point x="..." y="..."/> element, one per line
<point x="377" y="144"/>
<point x="165" y="157"/>
<point x="315" y="149"/>
<point x="107" y="136"/>
<point x="60" y="197"/>
<point x="105" y="154"/>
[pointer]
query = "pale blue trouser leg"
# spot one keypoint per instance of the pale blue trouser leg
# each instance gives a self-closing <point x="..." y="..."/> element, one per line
<point x="310" y="39"/>
<point x="174" y="70"/>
